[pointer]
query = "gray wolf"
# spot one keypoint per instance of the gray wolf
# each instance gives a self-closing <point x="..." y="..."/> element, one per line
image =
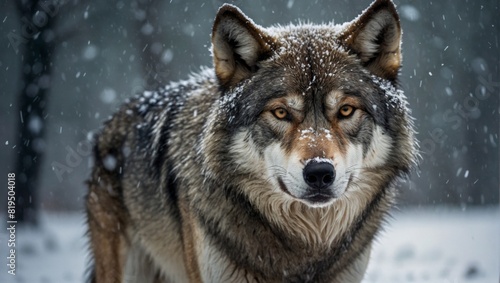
<point x="278" y="164"/>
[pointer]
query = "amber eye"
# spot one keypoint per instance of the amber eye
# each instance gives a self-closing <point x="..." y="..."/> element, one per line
<point x="280" y="113"/>
<point x="346" y="111"/>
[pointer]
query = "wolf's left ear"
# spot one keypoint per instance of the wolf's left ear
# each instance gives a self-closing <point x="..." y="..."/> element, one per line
<point x="375" y="36"/>
<point x="237" y="45"/>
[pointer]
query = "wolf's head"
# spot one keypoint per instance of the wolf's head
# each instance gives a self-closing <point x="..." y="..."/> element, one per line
<point x="310" y="113"/>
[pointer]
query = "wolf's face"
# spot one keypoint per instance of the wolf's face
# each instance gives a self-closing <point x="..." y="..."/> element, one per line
<point x="309" y="108"/>
<point x="312" y="152"/>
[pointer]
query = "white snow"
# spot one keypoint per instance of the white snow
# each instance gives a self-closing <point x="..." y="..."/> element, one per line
<point x="108" y="95"/>
<point x="318" y="160"/>
<point x="167" y="56"/>
<point x="442" y="246"/>
<point x="410" y="13"/>
<point x="396" y="97"/>
<point x="55" y="254"/>
<point x="147" y="29"/>
<point x="35" y="124"/>
<point x="418" y="245"/>
<point x="90" y="52"/>
<point x="109" y="162"/>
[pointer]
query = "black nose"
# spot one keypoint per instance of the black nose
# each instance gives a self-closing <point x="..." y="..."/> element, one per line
<point x="319" y="175"/>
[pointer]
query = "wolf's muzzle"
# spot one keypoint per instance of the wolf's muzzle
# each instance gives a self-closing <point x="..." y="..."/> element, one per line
<point x="319" y="175"/>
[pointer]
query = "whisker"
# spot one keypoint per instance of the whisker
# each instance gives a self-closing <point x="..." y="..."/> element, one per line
<point x="293" y="177"/>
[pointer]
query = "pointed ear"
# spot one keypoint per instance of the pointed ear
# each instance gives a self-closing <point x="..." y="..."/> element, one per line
<point x="237" y="45"/>
<point x="375" y="36"/>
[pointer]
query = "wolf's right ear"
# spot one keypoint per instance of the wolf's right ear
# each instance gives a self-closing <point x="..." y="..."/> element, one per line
<point x="237" y="45"/>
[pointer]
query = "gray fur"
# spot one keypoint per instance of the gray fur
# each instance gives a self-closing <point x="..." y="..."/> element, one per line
<point x="192" y="210"/>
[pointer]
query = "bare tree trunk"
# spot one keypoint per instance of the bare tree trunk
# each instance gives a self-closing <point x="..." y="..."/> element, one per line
<point x="37" y="51"/>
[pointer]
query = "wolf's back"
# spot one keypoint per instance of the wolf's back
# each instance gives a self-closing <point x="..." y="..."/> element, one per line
<point x="133" y="187"/>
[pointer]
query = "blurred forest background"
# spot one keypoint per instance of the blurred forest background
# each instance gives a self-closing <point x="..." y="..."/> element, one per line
<point x="65" y="66"/>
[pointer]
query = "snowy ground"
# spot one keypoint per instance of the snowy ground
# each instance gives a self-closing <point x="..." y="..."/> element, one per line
<point x="441" y="246"/>
<point x="417" y="246"/>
